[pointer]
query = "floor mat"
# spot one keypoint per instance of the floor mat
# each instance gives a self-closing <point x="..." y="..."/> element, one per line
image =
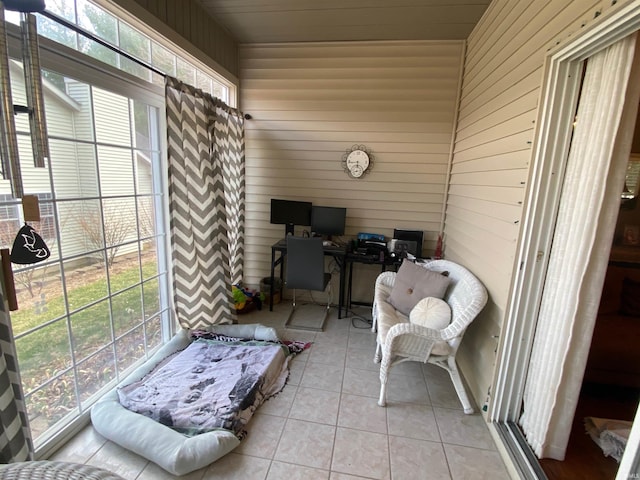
<point x="308" y="316"/>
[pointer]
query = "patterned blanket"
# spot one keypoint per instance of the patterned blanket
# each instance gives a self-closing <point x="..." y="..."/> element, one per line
<point x="209" y="385"/>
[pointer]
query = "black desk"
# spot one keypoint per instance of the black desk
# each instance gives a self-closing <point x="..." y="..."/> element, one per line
<point x="338" y="253"/>
<point x="352" y="258"/>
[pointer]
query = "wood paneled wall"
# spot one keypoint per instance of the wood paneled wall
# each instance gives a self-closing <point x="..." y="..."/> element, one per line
<point x="310" y="103"/>
<point x="493" y="149"/>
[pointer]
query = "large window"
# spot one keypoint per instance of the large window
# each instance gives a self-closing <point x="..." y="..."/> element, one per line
<point x="100" y="303"/>
<point x="153" y="51"/>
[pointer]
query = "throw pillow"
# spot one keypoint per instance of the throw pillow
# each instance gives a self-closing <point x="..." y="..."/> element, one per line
<point x="630" y="298"/>
<point x="433" y="313"/>
<point x="413" y="283"/>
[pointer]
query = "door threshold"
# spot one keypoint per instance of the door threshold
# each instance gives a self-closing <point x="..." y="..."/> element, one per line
<point x="519" y="456"/>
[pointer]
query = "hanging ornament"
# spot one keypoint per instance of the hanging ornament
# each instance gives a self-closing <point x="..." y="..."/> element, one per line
<point x="29" y="247"/>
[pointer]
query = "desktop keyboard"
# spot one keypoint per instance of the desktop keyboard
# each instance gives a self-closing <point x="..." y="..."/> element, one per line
<point x="327" y="244"/>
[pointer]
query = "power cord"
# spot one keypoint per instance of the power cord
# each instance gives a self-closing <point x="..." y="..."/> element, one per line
<point x="366" y="323"/>
<point x="315" y="302"/>
<point x="359" y="321"/>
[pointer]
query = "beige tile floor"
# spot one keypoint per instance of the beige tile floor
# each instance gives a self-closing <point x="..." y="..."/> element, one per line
<point x="326" y="423"/>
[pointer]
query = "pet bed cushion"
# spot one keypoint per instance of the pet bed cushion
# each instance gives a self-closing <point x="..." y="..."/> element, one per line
<point x="209" y="385"/>
<point x="173" y="451"/>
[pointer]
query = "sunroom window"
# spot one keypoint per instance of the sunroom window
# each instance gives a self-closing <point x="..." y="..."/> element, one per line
<point x="135" y="40"/>
<point x="100" y="303"/>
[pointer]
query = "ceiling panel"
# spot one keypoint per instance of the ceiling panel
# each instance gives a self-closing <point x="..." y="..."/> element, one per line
<point x="265" y="21"/>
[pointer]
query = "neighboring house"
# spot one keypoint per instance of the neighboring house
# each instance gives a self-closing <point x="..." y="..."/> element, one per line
<point x="69" y="116"/>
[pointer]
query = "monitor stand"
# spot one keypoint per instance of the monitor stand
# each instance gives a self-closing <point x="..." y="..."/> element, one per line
<point x="288" y="229"/>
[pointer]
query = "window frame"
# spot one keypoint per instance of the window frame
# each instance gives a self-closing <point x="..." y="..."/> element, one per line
<point x="150" y="27"/>
<point x="57" y="57"/>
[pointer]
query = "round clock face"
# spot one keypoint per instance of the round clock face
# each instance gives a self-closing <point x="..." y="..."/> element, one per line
<point x="357" y="163"/>
<point x="356" y="171"/>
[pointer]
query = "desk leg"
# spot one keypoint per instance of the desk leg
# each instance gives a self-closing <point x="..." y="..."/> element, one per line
<point x="350" y="283"/>
<point x="343" y="265"/>
<point x="273" y="261"/>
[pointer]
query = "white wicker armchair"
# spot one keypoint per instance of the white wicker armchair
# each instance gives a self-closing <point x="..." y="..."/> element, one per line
<point x="400" y="341"/>
<point x="52" y="470"/>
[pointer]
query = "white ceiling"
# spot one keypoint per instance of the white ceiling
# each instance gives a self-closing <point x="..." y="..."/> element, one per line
<point x="266" y="21"/>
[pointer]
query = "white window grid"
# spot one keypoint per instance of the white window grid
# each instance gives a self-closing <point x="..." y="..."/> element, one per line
<point x="158" y="52"/>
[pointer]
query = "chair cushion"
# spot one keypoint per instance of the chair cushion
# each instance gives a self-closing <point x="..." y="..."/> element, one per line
<point x="433" y="313"/>
<point x="388" y="316"/>
<point x="381" y="293"/>
<point x="413" y="283"/>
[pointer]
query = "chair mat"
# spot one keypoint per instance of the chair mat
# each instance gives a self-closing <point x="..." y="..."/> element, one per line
<point x="308" y="316"/>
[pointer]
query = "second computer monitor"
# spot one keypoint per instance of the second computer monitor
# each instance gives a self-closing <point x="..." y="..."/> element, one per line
<point x="328" y="220"/>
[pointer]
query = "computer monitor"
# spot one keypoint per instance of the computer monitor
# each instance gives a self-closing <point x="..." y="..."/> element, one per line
<point x="290" y="213"/>
<point x="328" y="220"/>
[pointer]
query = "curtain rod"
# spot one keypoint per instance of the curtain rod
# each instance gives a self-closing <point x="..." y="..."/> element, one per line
<point x="110" y="46"/>
<point x="91" y="36"/>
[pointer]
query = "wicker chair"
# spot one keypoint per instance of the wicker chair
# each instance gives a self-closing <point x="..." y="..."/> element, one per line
<point x="50" y="470"/>
<point x="405" y="341"/>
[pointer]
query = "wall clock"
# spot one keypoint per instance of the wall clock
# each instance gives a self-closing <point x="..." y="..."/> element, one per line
<point x="357" y="161"/>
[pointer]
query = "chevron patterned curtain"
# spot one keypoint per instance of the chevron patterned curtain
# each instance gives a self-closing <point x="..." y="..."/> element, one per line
<point x="206" y="203"/>
<point x="15" y="435"/>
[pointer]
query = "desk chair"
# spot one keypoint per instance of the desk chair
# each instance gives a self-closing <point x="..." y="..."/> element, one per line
<point x="305" y="270"/>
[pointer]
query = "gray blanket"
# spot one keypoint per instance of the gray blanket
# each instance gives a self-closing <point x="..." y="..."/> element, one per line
<point x="208" y="385"/>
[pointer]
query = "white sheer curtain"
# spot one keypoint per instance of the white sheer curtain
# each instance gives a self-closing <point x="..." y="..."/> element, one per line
<point x="585" y="224"/>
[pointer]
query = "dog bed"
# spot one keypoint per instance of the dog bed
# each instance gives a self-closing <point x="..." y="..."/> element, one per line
<point x="200" y="416"/>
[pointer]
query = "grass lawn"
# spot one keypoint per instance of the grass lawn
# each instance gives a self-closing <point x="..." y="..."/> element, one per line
<point x="46" y="351"/>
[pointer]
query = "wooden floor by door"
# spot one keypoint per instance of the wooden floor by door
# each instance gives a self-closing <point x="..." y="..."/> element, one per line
<point x="584" y="459"/>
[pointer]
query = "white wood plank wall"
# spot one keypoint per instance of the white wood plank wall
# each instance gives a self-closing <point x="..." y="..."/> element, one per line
<point x="491" y="163"/>
<point x="312" y="102"/>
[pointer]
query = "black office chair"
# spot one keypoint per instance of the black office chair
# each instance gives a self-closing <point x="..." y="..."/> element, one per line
<point x="305" y="271"/>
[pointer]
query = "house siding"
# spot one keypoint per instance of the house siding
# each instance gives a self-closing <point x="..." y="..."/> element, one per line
<point x="85" y="171"/>
<point x="60" y="124"/>
<point x="74" y="165"/>
<point x="311" y="103"/>
<point x="493" y="153"/>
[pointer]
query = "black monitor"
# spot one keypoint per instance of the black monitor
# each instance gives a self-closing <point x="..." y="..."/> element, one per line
<point x="290" y="213"/>
<point x="328" y="220"/>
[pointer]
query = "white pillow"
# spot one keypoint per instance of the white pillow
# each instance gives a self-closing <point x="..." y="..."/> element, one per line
<point x="247" y="330"/>
<point x="433" y="313"/>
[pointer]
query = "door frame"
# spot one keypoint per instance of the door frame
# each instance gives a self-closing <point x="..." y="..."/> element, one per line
<point x="558" y="100"/>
